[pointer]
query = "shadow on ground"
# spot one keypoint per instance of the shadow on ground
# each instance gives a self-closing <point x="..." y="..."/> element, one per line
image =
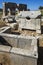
<point x="40" y="56"/>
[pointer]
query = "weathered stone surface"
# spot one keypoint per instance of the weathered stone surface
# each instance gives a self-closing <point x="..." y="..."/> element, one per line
<point x="25" y="52"/>
<point x="11" y="40"/>
<point x="32" y="24"/>
<point x="5" y="48"/>
<point x="14" y="59"/>
<point x="4" y="29"/>
<point x="17" y="56"/>
<point x="18" y="40"/>
<point x="24" y="43"/>
<point x="38" y="31"/>
<point x="12" y="25"/>
<point x="31" y="14"/>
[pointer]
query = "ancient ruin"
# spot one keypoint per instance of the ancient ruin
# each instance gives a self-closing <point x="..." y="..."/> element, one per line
<point x="12" y="7"/>
<point x="20" y="35"/>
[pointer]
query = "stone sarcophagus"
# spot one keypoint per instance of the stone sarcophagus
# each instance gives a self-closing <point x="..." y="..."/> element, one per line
<point x="32" y="24"/>
<point x="30" y="20"/>
<point x="17" y="56"/>
<point x="22" y="50"/>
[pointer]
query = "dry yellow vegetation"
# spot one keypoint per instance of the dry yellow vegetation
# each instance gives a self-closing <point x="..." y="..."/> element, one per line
<point x="2" y="23"/>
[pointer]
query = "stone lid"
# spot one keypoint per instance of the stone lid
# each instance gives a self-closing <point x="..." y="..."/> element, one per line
<point x="4" y="48"/>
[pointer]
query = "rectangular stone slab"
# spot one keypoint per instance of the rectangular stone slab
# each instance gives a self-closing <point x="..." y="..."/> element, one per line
<point x="16" y="59"/>
<point x="5" y="48"/>
<point x="32" y="24"/>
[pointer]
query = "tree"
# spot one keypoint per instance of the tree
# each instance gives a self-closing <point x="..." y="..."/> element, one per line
<point x="28" y="9"/>
<point x="41" y="7"/>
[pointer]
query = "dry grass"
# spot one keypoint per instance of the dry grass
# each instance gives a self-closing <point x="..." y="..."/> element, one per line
<point x="25" y="32"/>
<point x="42" y="23"/>
<point x="4" y="59"/>
<point x="2" y="23"/>
<point x="41" y="42"/>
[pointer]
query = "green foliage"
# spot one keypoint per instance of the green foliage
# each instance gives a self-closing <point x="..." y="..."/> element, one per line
<point x="41" y="7"/>
<point x="42" y="13"/>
